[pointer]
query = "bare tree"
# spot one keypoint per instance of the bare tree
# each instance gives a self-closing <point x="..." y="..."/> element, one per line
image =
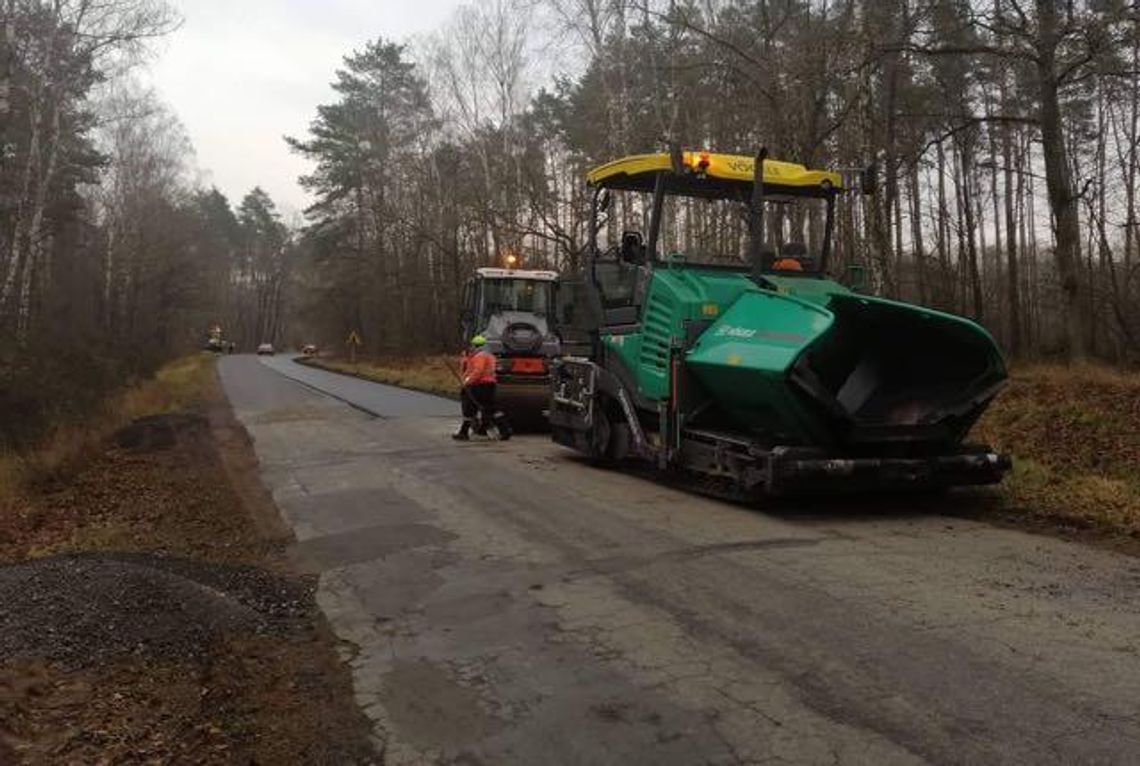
<point x="75" y="36"/>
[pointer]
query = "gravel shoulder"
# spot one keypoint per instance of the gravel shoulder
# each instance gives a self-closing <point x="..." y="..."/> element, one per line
<point x="150" y="613"/>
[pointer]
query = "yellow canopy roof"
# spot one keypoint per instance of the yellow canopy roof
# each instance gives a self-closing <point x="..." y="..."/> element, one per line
<point x="638" y="171"/>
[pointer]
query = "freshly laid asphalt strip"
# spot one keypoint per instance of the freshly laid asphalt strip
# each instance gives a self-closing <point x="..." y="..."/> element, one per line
<point x="508" y="603"/>
<point x="381" y="401"/>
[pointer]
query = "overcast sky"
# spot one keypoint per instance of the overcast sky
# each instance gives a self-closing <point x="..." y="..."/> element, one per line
<point x="241" y="74"/>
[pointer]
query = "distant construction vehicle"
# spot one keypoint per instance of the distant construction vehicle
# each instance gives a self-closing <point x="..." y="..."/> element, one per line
<point x="514" y="310"/>
<point x="715" y="346"/>
<point x="215" y="342"/>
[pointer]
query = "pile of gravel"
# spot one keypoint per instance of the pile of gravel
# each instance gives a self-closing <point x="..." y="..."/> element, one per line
<point x="81" y="610"/>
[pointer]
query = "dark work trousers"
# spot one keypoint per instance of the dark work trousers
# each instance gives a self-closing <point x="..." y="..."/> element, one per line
<point x="474" y="397"/>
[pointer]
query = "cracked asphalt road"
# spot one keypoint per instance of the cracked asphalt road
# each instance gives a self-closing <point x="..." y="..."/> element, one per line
<point x="506" y="603"/>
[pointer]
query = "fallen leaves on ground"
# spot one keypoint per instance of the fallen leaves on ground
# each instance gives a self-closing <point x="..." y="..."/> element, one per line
<point x="175" y="503"/>
<point x="1074" y="434"/>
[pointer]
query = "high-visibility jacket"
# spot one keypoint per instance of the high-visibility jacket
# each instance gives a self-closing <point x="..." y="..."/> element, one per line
<point x="787" y="264"/>
<point x="478" y="367"/>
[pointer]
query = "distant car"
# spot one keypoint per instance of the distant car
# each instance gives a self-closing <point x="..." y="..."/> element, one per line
<point x="216" y="345"/>
<point x="265" y="349"/>
<point x="309" y="349"/>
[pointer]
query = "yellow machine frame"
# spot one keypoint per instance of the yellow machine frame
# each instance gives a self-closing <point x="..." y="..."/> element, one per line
<point x="638" y="171"/>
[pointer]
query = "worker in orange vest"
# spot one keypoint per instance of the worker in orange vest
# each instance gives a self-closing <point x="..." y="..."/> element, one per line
<point x="478" y="369"/>
<point x="788" y="264"/>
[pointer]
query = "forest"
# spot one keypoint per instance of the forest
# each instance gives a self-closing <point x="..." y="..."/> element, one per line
<point x="1006" y="134"/>
<point x="113" y="258"/>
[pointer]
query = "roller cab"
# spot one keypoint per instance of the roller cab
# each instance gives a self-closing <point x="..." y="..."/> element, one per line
<point x="512" y="308"/>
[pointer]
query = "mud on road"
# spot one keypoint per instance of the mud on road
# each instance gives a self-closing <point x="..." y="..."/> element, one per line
<point x="149" y="613"/>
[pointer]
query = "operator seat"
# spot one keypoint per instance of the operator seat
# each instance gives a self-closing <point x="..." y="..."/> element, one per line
<point x="767" y="257"/>
<point x="632" y="248"/>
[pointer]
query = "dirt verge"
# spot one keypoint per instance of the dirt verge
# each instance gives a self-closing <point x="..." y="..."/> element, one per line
<point x="1074" y="434"/>
<point x="150" y="614"/>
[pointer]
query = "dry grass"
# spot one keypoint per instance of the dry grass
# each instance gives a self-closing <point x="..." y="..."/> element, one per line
<point x="67" y="448"/>
<point x="427" y="373"/>
<point x="175" y="387"/>
<point x="1074" y="433"/>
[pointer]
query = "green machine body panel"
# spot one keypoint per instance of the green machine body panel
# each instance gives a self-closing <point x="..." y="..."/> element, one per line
<point x="743" y="362"/>
<point x="802" y="360"/>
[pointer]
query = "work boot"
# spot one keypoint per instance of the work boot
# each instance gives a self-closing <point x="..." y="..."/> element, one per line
<point x="503" y="426"/>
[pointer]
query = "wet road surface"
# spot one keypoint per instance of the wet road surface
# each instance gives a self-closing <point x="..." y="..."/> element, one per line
<point x="507" y="603"/>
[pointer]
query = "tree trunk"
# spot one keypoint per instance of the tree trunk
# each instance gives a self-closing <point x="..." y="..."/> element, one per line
<point x="1059" y="183"/>
<point x="943" y="224"/>
<point x="994" y="258"/>
<point x="974" y="277"/>
<point x="1013" y="296"/>
<point x="7" y="57"/>
<point x="35" y="229"/>
<point x="917" y="245"/>
<point x="17" y="248"/>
